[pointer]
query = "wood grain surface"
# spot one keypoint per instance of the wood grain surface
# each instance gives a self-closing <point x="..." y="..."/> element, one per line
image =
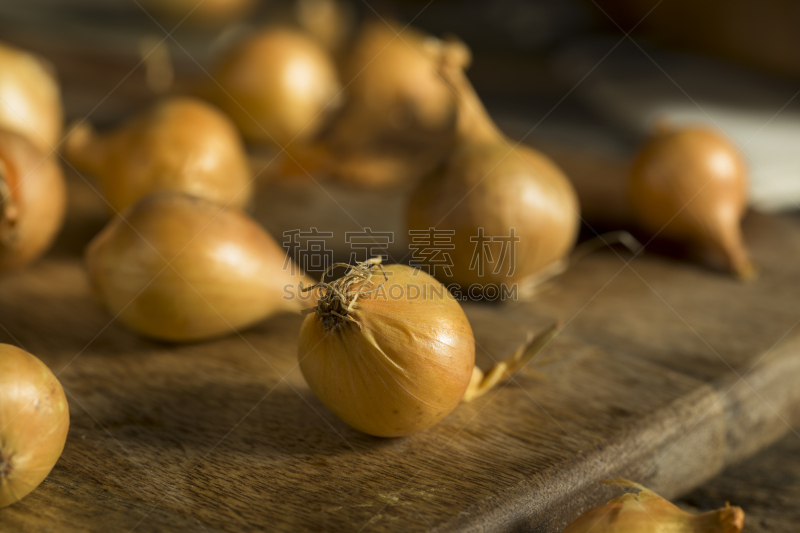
<point x="664" y="372"/>
<point x="766" y="485"/>
<point x="225" y="435"/>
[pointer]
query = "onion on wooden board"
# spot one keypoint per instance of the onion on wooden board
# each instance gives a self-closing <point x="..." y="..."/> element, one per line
<point x="390" y="351"/>
<point x="34" y="421"/>
<point x="30" y="98"/>
<point x="180" y="144"/>
<point x="647" y="512"/>
<point x="278" y="86"/>
<point x="690" y="184"/>
<point x="490" y="191"/>
<point x="33" y="200"/>
<point x="180" y="268"/>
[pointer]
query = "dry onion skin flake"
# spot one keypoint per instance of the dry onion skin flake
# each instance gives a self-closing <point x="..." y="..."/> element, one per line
<point x="690" y="184"/>
<point x="180" y="144"/>
<point x="34" y="421"/>
<point x="179" y="268"/>
<point x="33" y="199"/>
<point x="30" y="98"/>
<point x="490" y="183"/>
<point x="391" y="352"/>
<point x="278" y="86"/>
<point x="647" y="512"/>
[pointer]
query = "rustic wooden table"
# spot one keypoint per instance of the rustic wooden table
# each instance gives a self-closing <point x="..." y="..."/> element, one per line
<point x="225" y="435"/>
<point x="767" y="486"/>
<point x="665" y="372"/>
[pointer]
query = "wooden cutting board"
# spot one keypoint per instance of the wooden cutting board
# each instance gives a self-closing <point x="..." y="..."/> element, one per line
<point x="643" y="381"/>
<point x="225" y="436"/>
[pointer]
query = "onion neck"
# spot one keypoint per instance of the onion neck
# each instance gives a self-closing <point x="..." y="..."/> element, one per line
<point x="9" y="209"/>
<point x="729" y="242"/>
<point x="740" y="264"/>
<point x="338" y="297"/>
<point x="726" y="520"/>
<point x="473" y="123"/>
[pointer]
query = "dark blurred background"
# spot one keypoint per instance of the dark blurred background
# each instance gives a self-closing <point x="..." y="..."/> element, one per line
<point x="590" y="74"/>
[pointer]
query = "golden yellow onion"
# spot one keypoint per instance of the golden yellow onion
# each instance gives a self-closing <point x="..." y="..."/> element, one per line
<point x="34" y="421"/>
<point x="513" y="212"/>
<point x="181" y="144"/>
<point x="394" y="86"/>
<point x="181" y="268"/>
<point x="647" y="512"/>
<point x="33" y="200"/>
<point x="279" y="86"/>
<point x="30" y="99"/>
<point x="389" y="358"/>
<point x="199" y="12"/>
<point x="690" y="184"/>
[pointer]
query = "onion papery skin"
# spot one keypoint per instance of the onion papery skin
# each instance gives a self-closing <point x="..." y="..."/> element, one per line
<point x="181" y="144"/>
<point x="489" y="186"/>
<point x="690" y="185"/>
<point x="34" y="422"/>
<point x="279" y="86"/>
<point x="404" y="370"/>
<point x="226" y="272"/>
<point x="38" y="193"/>
<point x="30" y="98"/>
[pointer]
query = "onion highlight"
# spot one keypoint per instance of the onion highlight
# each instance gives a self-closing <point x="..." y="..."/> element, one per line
<point x="278" y="86"/>
<point x="30" y="98"/>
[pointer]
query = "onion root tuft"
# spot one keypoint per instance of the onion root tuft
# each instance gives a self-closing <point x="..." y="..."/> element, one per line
<point x="339" y="300"/>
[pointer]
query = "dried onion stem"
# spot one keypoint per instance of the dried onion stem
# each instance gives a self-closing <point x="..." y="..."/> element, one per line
<point x="339" y="300"/>
<point x="504" y="370"/>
